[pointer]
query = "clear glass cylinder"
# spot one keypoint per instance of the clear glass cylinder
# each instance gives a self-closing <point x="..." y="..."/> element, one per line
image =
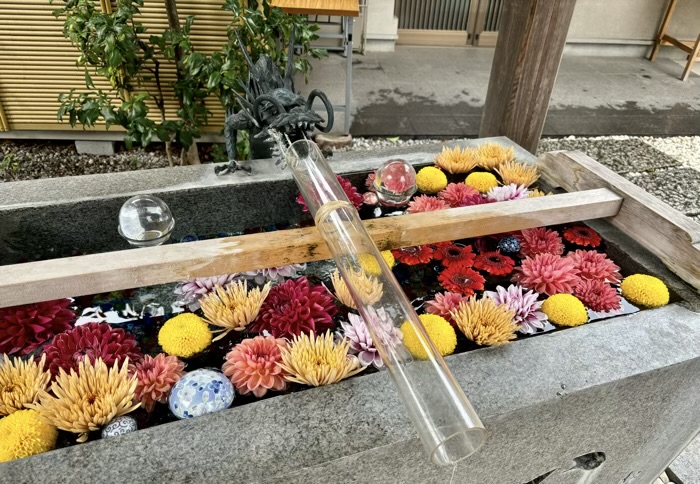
<point x="446" y="423"/>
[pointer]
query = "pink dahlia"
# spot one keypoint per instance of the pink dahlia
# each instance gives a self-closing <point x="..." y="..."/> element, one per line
<point x="597" y="295"/>
<point x="252" y="365"/>
<point x="594" y="265"/>
<point x="155" y="377"/>
<point x="369" y="182"/>
<point x="295" y="307"/>
<point x="274" y="274"/>
<point x="361" y="343"/>
<point x="547" y="274"/>
<point x="540" y="240"/>
<point x="425" y="203"/>
<point x="443" y="303"/>
<point x="92" y="340"/>
<point x="528" y="316"/>
<point x="507" y="192"/>
<point x="191" y="292"/>
<point x="24" y="328"/>
<point x="351" y="192"/>
<point x="460" y="195"/>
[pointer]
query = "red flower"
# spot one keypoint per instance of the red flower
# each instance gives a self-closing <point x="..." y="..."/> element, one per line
<point x="494" y="263"/>
<point x="451" y="254"/>
<point x="547" y="274"/>
<point x="92" y="340"/>
<point x="351" y="192"/>
<point x="540" y="240"/>
<point x="582" y="235"/>
<point x="156" y="377"/>
<point x="419" y="254"/>
<point x="252" y="365"/>
<point x="460" y="195"/>
<point x="425" y="203"/>
<point x="295" y="307"/>
<point x="462" y="280"/>
<point x="594" y="265"/>
<point x="597" y="295"/>
<point x="24" y="328"/>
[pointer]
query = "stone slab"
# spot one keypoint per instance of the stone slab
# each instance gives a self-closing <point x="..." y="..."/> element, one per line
<point x="686" y="467"/>
<point x="91" y="147"/>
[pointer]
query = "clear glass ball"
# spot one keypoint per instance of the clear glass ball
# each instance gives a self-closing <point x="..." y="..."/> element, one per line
<point x="145" y="221"/>
<point x="395" y="183"/>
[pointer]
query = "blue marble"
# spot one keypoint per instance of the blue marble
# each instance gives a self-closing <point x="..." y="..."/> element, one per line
<point x="119" y="426"/>
<point x="200" y="392"/>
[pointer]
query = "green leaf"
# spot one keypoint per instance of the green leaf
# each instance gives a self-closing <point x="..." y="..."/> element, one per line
<point x="88" y="80"/>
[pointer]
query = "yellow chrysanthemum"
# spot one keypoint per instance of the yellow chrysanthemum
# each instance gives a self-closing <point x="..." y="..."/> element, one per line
<point x="23" y="434"/>
<point x="233" y="307"/>
<point x="370" y="264"/>
<point x="644" y="290"/>
<point x="20" y="383"/>
<point x="491" y="155"/>
<point x="184" y="335"/>
<point x="367" y="287"/>
<point x="565" y="310"/>
<point x="482" y="181"/>
<point x="535" y="192"/>
<point x="89" y="398"/>
<point x="440" y="332"/>
<point x="318" y="360"/>
<point x="430" y="180"/>
<point x="456" y="160"/>
<point x="485" y="322"/>
<point x="517" y="173"/>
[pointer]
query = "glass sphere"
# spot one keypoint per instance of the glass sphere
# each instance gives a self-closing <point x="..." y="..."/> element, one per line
<point x="395" y="183"/>
<point x="145" y="221"/>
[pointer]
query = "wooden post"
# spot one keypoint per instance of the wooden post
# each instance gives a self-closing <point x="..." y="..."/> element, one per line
<point x="530" y="43"/>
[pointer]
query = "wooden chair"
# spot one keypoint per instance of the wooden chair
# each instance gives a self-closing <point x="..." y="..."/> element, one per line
<point x="662" y="38"/>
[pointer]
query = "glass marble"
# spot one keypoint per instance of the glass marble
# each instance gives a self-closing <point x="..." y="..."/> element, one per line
<point x="119" y="426"/>
<point x="145" y="221"/>
<point x="200" y="392"/>
<point x="395" y="183"/>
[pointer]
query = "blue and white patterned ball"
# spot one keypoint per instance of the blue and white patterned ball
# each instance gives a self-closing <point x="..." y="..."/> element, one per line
<point x="119" y="426"/>
<point x="200" y="392"/>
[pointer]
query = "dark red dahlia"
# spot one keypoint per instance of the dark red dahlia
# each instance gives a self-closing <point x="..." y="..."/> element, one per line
<point x="455" y="254"/>
<point x="462" y="280"/>
<point x="582" y="235"/>
<point x="597" y="295"/>
<point x="295" y="307"/>
<point x="351" y="192"/>
<point x="420" y="254"/>
<point x="92" y="340"/>
<point x="494" y="263"/>
<point x="24" y="328"/>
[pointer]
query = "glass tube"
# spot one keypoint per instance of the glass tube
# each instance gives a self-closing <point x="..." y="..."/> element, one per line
<point x="447" y="425"/>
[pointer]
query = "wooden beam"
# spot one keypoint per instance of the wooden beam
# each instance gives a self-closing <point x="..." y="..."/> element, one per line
<point x="344" y="8"/>
<point x="531" y="40"/>
<point x="664" y="231"/>
<point x="662" y="30"/>
<point x="97" y="273"/>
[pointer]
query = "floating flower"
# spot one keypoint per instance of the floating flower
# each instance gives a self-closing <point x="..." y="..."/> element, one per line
<point x="425" y="203"/>
<point x="453" y="254"/>
<point x="481" y="181"/>
<point x="582" y="235"/>
<point x="253" y="365"/>
<point x="440" y="332"/>
<point x="594" y="265"/>
<point x="485" y="322"/>
<point x="443" y="303"/>
<point x="528" y="316"/>
<point x="86" y="399"/>
<point x="90" y="341"/>
<point x="420" y="254"/>
<point x="492" y="155"/>
<point x="369" y="182"/>
<point x="185" y="335"/>
<point x="547" y="274"/>
<point x="460" y="195"/>
<point x="24" y="434"/>
<point x="506" y="193"/>
<point x="20" y="383"/>
<point x="540" y="240"/>
<point x="24" y="328"/>
<point x="367" y="288"/>
<point x="361" y="343"/>
<point x="597" y="295"/>
<point x="517" y="173"/>
<point x="191" y="292"/>
<point x="370" y="264"/>
<point x="274" y="274"/>
<point x="233" y="307"/>
<point x="494" y="263"/>
<point x="295" y="307"/>
<point x="509" y="245"/>
<point x="462" y="280"/>
<point x="430" y="180"/>
<point x="318" y="360"/>
<point x="645" y="290"/>
<point x="565" y="310"/>
<point x="155" y="377"/>
<point x="536" y="192"/>
<point x="351" y="192"/>
<point x="456" y="160"/>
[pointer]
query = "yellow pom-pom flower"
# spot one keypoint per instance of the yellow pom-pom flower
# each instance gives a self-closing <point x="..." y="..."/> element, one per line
<point x="644" y="290"/>
<point x="184" y="335"/>
<point x="482" y="181"/>
<point x="430" y="180"/>
<point x="565" y="310"/>
<point x="24" y="433"/>
<point x="440" y="332"/>
<point x="370" y="264"/>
